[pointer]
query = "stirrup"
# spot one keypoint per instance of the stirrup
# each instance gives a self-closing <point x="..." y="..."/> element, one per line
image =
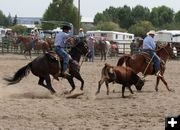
<point x="158" y="74"/>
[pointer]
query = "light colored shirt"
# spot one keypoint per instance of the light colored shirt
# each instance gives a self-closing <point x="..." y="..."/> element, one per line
<point x="149" y="43"/>
<point x="41" y="35"/>
<point x="60" y="39"/>
<point x="81" y="34"/>
<point x="90" y="43"/>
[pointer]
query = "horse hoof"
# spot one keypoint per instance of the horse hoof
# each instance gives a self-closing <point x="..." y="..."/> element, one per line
<point x="66" y="92"/>
<point x="71" y="91"/>
<point x="156" y="89"/>
<point x="171" y="90"/>
<point x="96" y="93"/>
<point x="53" y="92"/>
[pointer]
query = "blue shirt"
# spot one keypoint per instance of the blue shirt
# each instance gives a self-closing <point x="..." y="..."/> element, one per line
<point x="149" y="43"/>
<point x="60" y="39"/>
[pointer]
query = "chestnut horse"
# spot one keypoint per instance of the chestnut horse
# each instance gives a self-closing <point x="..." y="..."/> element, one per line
<point x="50" y="42"/>
<point x="27" y="42"/>
<point x="141" y="62"/>
<point x="48" y="64"/>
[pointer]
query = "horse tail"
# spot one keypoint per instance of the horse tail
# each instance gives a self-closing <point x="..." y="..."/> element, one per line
<point x="19" y="75"/>
<point x="123" y="60"/>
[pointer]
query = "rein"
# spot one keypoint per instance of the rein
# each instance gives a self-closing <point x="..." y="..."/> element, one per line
<point x="169" y="55"/>
<point x="80" y="51"/>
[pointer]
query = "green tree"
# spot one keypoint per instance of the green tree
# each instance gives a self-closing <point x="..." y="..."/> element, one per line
<point x="61" y="10"/>
<point x="124" y="17"/>
<point x="2" y="19"/>
<point x="99" y="18"/>
<point x="141" y="28"/>
<point x="171" y="26"/>
<point x="15" y="20"/>
<point x="9" y="20"/>
<point x="109" y="26"/>
<point x="19" y="29"/>
<point x="177" y="17"/>
<point x="140" y="13"/>
<point x="161" y="15"/>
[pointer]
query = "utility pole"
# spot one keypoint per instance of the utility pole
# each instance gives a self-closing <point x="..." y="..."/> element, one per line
<point x="78" y="16"/>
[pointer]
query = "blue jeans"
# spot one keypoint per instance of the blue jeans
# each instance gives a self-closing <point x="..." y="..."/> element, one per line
<point x="33" y="43"/>
<point x="62" y="53"/>
<point x="91" y="58"/>
<point x="155" y="59"/>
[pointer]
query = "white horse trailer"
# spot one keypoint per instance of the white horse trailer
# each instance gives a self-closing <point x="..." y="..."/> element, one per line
<point x="171" y="36"/>
<point x="122" y="39"/>
<point x="2" y="33"/>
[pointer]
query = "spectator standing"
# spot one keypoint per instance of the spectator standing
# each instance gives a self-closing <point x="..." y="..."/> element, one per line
<point x="90" y="43"/>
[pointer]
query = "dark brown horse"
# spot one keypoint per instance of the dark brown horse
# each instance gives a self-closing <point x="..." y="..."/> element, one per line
<point x="27" y="42"/>
<point x="48" y="64"/>
<point x="141" y="62"/>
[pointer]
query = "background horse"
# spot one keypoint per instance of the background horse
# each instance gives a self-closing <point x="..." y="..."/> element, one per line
<point x="103" y="47"/>
<point x="51" y="66"/>
<point x="50" y="42"/>
<point x="27" y="42"/>
<point x="142" y="63"/>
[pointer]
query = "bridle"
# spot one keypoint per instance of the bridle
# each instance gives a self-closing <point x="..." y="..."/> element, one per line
<point x="169" y="55"/>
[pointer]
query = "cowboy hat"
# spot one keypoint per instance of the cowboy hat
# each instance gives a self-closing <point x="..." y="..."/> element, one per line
<point x="91" y="37"/>
<point x="81" y="29"/>
<point x="151" y="32"/>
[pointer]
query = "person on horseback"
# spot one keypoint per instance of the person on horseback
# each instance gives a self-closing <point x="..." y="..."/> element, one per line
<point x="60" y="44"/>
<point x="149" y="46"/>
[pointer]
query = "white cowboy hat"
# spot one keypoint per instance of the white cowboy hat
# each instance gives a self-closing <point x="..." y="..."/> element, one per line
<point x="151" y="32"/>
<point x="91" y="37"/>
<point x="81" y="29"/>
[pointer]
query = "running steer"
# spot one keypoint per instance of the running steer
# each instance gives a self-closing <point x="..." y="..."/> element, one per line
<point x="122" y="75"/>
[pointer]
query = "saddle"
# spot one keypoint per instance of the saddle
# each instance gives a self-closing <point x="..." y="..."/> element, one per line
<point x="146" y="56"/>
<point x="148" y="60"/>
<point x="54" y="57"/>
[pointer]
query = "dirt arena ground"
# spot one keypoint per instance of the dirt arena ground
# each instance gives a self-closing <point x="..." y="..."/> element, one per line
<point x="28" y="106"/>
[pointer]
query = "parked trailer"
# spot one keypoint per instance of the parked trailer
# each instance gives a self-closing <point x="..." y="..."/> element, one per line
<point x="171" y="36"/>
<point x="122" y="39"/>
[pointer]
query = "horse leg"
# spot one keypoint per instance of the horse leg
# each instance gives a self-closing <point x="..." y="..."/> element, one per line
<point x="165" y="83"/>
<point x="25" y="54"/>
<point x="71" y="82"/>
<point x="48" y="82"/>
<point x="107" y="87"/>
<point x="78" y="76"/>
<point x="29" y="53"/>
<point x="157" y="83"/>
<point x="104" y="55"/>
